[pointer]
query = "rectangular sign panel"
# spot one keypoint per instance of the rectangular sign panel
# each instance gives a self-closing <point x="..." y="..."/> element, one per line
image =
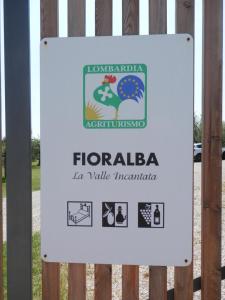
<point x="117" y="149"/>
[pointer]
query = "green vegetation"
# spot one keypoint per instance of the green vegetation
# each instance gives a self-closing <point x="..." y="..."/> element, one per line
<point x="37" y="272"/>
<point x="35" y="179"/>
<point x="35" y="147"/>
<point x="198" y="130"/>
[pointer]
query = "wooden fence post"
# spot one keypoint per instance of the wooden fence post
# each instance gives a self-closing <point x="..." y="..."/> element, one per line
<point x="103" y="26"/>
<point x="183" y="281"/>
<point x="130" y="274"/>
<point x="157" y="25"/>
<point x="50" y="271"/>
<point x="212" y="144"/>
<point x="76" y="272"/>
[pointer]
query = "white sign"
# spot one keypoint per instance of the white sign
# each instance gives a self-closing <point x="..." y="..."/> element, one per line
<point x="117" y="150"/>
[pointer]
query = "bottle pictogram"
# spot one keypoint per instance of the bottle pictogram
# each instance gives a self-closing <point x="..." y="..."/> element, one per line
<point x="157" y="215"/>
<point x="114" y="214"/>
<point x="120" y="218"/>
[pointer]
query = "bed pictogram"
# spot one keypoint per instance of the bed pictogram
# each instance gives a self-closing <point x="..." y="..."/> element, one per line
<point x="79" y="213"/>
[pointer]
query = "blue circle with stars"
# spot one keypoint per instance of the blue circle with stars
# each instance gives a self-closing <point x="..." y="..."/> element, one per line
<point x="130" y="87"/>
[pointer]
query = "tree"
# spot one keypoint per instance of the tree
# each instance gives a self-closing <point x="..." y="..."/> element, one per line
<point x="223" y="134"/>
<point x="36" y="150"/>
<point x="197" y="129"/>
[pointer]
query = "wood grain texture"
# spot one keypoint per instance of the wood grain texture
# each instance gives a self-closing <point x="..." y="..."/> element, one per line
<point x="157" y="16"/>
<point x="158" y="25"/>
<point x="185" y="16"/>
<point x="50" y="281"/>
<point x="130" y="282"/>
<point x="130" y="11"/>
<point x="130" y="274"/>
<point x="183" y="277"/>
<point x="103" y="273"/>
<point x="158" y="283"/>
<point x="49" y="18"/>
<point x="212" y="143"/>
<point x="76" y="272"/>
<point x="103" y="282"/>
<point x="103" y="17"/>
<point x="76" y="18"/>
<point x="77" y="282"/>
<point x="50" y="271"/>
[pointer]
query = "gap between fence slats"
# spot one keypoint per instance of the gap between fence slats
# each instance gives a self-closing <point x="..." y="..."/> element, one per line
<point x="212" y="143"/>
<point x="50" y="271"/>
<point x="76" y="272"/>
<point x="158" y="25"/>
<point x="130" y="274"/>
<point x="103" y="26"/>
<point x="183" y="276"/>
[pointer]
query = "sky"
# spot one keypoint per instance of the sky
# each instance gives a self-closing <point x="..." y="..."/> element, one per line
<point x="90" y="29"/>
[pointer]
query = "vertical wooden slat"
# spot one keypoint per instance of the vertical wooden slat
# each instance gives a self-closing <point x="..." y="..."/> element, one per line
<point x="212" y="143"/>
<point x="76" y="18"/>
<point x="50" y="281"/>
<point x="183" y="281"/>
<point x="158" y="25"/>
<point x="158" y="283"/>
<point x="103" y="26"/>
<point x="50" y="271"/>
<point x="49" y="18"/>
<point x="103" y="17"/>
<point x="76" y="272"/>
<point x="130" y="17"/>
<point x="77" y="282"/>
<point x="157" y="16"/>
<point x="130" y="282"/>
<point x="103" y="282"/>
<point x="130" y="274"/>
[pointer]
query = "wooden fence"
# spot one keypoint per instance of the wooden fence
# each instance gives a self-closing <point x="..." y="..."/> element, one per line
<point x="211" y="165"/>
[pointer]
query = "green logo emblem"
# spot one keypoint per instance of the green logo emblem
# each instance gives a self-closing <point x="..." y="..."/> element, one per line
<point x="114" y="96"/>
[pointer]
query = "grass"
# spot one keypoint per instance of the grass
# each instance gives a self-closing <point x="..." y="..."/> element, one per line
<point x="36" y="272"/>
<point x="36" y="260"/>
<point x="35" y="179"/>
